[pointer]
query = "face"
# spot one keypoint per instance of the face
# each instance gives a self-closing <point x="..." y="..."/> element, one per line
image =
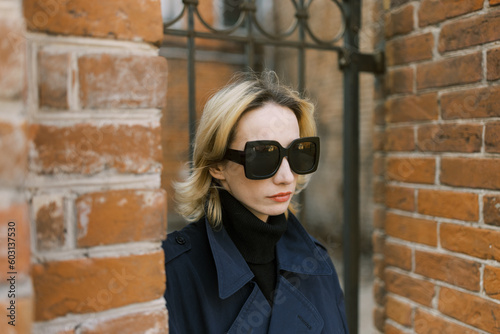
<point x="268" y="197"/>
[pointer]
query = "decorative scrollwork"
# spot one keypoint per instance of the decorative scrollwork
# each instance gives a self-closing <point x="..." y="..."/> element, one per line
<point x="248" y="18"/>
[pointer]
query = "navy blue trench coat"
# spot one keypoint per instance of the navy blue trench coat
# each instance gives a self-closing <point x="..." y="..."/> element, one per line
<point x="210" y="287"/>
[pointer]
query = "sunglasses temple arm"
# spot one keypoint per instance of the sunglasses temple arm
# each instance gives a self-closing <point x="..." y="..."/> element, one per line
<point x="235" y="156"/>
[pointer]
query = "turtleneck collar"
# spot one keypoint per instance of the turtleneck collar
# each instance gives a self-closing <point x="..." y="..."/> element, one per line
<point x="255" y="239"/>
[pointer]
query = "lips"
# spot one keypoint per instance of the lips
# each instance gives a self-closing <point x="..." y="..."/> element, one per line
<point x="281" y="197"/>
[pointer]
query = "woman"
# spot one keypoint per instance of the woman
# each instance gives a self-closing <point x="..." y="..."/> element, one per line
<point x="245" y="264"/>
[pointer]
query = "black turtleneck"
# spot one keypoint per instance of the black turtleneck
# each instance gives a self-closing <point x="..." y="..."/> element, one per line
<point x="256" y="240"/>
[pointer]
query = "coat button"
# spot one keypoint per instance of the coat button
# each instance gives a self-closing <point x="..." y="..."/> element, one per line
<point x="180" y="240"/>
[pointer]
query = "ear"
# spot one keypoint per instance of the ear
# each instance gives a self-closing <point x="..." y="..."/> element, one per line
<point x="217" y="172"/>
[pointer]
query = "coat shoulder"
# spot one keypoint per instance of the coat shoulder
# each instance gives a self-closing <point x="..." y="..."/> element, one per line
<point x="180" y="242"/>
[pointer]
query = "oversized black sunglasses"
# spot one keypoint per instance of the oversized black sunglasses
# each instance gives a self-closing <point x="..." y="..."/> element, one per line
<point x="262" y="158"/>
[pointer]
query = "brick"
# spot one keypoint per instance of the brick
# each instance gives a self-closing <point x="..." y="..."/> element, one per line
<point x="53" y="80"/>
<point x="121" y="216"/>
<point x="472" y="241"/>
<point x="491" y="210"/>
<point x="396" y="3"/>
<point x="399" y="22"/>
<point x="397" y="256"/>
<point x="472" y="173"/>
<point x="24" y="316"/>
<point x="427" y="323"/>
<point x="378" y="192"/>
<point x="390" y="329"/>
<point x="400" y="198"/>
<point x="432" y="11"/>
<point x="378" y="271"/>
<point x="465" y="138"/>
<point x="16" y="212"/>
<point x="450" y="71"/>
<point x="14" y="145"/>
<point x="412" y="108"/>
<point x="492" y="282"/>
<point x="89" y="149"/>
<point x="115" y="81"/>
<point x="447" y="268"/>
<point x="379" y="114"/>
<point x="379" y="218"/>
<point x="477" y="30"/>
<point x="399" y="139"/>
<point x="378" y="317"/>
<point x="412" y="170"/>
<point x="378" y="140"/>
<point x="155" y="322"/>
<point x="448" y="204"/>
<point x="12" y="58"/>
<point x="96" y="284"/>
<point x="127" y="19"/>
<point x="493" y="64"/>
<point x="378" y="165"/>
<point x="49" y="221"/>
<point x="470" y="309"/>
<point x="473" y="103"/>
<point x="418" y="290"/>
<point x="494" y="2"/>
<point x="398" y="311"/>
<point x="378" y="241"/>
<point x="400" y="80"/>
<point x="417" y="230"/>
<point x="492" y="137"/>
<point x="409" y="49"/>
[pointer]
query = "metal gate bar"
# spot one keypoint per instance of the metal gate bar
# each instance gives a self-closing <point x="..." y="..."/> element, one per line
<point x="351" y="62"/>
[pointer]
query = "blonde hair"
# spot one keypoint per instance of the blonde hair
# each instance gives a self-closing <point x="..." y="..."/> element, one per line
<point x="198" y="195"/>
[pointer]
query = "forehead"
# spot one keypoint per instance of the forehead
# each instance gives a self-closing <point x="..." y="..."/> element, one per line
<point x="269" y="122"/>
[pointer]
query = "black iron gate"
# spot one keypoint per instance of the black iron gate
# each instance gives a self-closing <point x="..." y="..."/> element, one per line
<point x="351" y="62"/>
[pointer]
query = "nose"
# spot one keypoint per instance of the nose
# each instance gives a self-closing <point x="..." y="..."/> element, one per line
<point x="284" y="175"/>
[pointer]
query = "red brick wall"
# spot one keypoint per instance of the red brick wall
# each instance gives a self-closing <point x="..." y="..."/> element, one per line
<point x="81" y="97"/>
<point x="437" y="221"/>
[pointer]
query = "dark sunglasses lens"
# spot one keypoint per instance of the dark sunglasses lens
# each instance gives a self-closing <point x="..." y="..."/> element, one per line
<point x="303" y="156"/>
<point x="262" y="160"/>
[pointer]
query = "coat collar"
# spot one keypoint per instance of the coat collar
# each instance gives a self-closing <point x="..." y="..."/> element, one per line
<point x="296" y="252"/>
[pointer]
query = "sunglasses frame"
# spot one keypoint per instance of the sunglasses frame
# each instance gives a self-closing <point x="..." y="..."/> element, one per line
<point x="240" y="157"/>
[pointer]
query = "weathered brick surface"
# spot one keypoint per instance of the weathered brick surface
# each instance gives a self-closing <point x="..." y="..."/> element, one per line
<point x="379" y="267"/>
<point x="89" y="149"/>
<point x="450" y="71"/>
<point x="494" y="2"/>
<point x="474" y="103"/>
<point x="470" y="309"/>
<point x="472" y="173"/>
<point x="49" y="220"/>
<point x="480" y="243"/>
<point x="491" y="210"/>
<point x="398" y="311"/>
<point x="16" y="212"/>
<point x="450" y="138"/>
<point x="449" y="204"/>
<point x="464" y="33"/>
<point x="400" y="80"/>
<point x="115" y="81"/>
<point x="492" y="137"/>
<point x="378" y="166"/>
<point x="390" y="329"/>
<point x="409" y="49"/>
<point x="400" y="198"/>
<point x="399" y="22"/>
<point x="128" y="19"/>
<point x="379" y="218"/>
<point x="432" y="11"/>
<point x="412" y="170"/>
<point x="145" y="322"/>
<point x="492" y="282"/>
<point x="412" y="108"/>
<point x="379" y="317"/>
<point x="23" y="316"/>
<point x="450" y="269"/>
<point x="53" y="72"/>
<point x="396" y="3"/>
<point x="121" y="216"/>
<point x="12" y="58"/>
<point x="378" y="192"/>
<point x="419" y="291"/>
<point x="399" y="139"/>
<point x="411" y="229"/>
<point x="14" y="145"/>
<point x="96" y="284"/>
<point x="427" y="323"/>
<point x="397" y="255"/>
<point x="378" y="241"/>
<point x="493" y="64"/>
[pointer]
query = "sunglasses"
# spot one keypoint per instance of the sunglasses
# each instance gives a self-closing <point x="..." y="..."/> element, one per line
<point x="262" y="158"/>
